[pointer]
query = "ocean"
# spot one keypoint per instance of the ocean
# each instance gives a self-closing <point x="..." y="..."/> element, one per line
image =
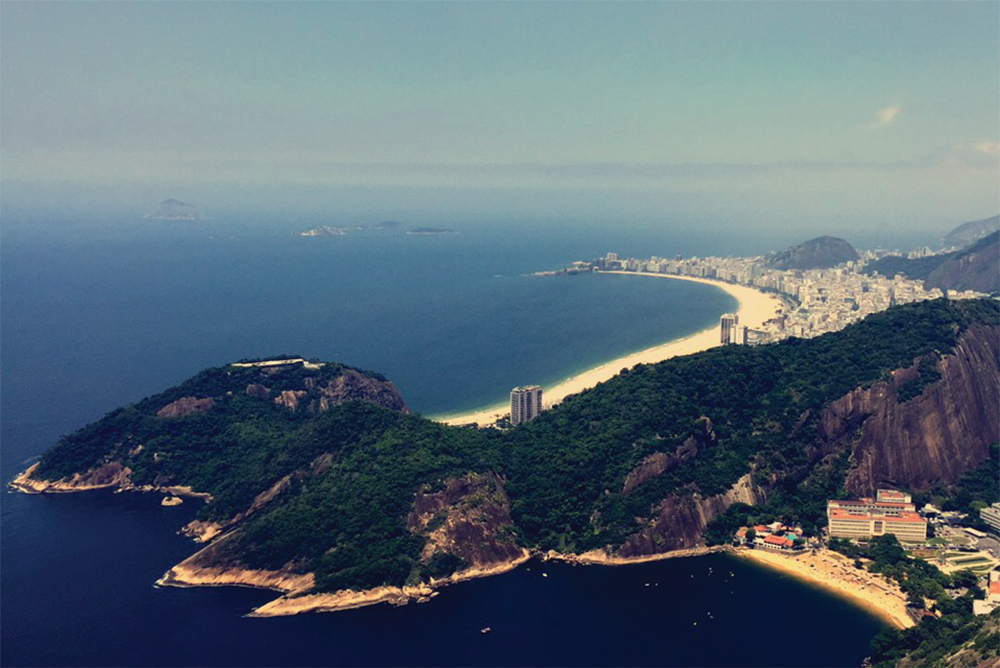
<point x="99" y="312"/>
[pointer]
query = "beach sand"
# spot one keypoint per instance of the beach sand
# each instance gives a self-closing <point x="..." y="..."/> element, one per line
<point x="755" y="308"/>
<point x="838" y="575"/>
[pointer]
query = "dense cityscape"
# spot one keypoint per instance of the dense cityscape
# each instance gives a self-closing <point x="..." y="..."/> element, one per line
<point x="817" y="301"/>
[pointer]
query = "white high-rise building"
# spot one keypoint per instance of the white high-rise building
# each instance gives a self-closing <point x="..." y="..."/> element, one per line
<point x="727" y="324"/>
<point x="525" y="403"/>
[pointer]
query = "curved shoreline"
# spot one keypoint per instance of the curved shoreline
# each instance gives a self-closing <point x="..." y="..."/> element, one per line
<point x="754" y="309"/>
<point x="858" y="587"/>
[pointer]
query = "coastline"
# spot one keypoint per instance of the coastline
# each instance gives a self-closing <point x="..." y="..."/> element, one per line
<point x="754" y="308"/>
<point x="602" y="558"/>
<point x="838" y="576"/>
<point x="347" y="599"/>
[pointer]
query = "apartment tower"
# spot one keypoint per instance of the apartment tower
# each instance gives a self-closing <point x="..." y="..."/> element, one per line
<point x="728" y="324"/>
<point x="525" y="403"/>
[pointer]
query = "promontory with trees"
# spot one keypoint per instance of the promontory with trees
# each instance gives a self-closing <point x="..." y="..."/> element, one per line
<point x="318" y="477"/>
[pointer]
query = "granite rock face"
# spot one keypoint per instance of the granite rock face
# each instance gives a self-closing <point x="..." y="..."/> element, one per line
<point x="937" y="436"/>
<point x="186" y="406"/>
<point x="682" y="519"/>
<point x="469" y="518"/>
<point x="354" y="386"/>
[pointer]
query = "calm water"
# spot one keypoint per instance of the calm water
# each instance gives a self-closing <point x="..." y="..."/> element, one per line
<point x="97" y="313"/>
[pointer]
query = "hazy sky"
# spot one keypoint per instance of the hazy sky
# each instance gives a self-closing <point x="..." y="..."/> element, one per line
<point x="867" y="112"/>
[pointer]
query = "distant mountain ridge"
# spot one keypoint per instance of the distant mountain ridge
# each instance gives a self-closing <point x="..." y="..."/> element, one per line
<point x="819" y="253"/>
<point x="976" y="267"/>
<point x="968" y="233"/>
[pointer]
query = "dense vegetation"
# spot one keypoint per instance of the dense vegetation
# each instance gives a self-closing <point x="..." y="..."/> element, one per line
<point x="763" y="404"/>
<point x="352" y="471"/>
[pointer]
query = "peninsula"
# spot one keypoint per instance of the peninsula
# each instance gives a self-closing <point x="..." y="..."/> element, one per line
<point x="335" y="496"/>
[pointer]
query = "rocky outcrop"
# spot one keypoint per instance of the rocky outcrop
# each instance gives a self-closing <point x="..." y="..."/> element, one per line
<point x="208" y="567"/>
<point x="110" y="475"/>
<point x="681" y="519"/>
<point x="469" y="518"/>
<point x="290" y="399"/>
<point x="354" y="386"/>
<point x="186" y="406"/>
<point x="202" y="531"/>
<point x="933" y="438"/>
<point x="659" y="463"/>
<point x="348" y="386"/>
<point x="257" y="390"/>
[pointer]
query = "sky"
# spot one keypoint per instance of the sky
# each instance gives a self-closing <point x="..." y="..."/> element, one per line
<point x="820" y="114"/>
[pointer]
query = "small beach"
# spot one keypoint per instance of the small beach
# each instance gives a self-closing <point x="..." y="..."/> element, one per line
<point x="755" y="308"/>
<point x="838" y="575"/>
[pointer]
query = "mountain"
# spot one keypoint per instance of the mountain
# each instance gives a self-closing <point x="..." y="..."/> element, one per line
<point x="321" y="485"/>
<point x="819" y="253"/>
<point x="974" y="268"/>
<point x="969" y="233"/>
<point x="914" y="268"/>
<point x="173" y="209"/>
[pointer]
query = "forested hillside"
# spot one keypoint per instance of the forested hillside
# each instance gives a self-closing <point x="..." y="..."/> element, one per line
<point x="362" y="494"/>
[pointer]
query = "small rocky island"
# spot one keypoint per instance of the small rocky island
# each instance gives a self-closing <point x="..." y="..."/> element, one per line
<point x="173" y="209"/>
<point x="431" y="230"/>
<point x="324" y="231"/>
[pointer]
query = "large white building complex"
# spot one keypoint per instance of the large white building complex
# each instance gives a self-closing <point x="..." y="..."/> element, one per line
<point x="890" y="512"/>
<point x="525" y="403"/>
<point x="991" y="516"/>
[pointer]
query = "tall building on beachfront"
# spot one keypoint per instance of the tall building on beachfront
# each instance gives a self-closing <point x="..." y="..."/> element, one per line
<point x="728" y="324"/>
<point x="525" y="403"/>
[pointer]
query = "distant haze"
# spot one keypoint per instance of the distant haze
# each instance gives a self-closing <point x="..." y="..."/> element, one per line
<point x="824" y="117"/>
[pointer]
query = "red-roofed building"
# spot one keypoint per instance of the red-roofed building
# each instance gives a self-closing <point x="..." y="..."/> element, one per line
<point x="774" y="542"/>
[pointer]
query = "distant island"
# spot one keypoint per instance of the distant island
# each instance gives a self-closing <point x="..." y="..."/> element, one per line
<point x="173" y="209"/>
<point x="385" y="226"/>
<point x="430" y="230"/>
<point x="324" y="231"/>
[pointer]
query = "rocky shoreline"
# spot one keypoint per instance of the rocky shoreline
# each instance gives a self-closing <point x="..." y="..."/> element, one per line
<point x="295" y="587"/>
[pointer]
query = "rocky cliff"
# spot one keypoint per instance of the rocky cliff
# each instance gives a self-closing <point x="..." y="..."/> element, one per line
<point x="936" y="436"/>
<point x="469" y="518"/>
<point x="681" y="519"/>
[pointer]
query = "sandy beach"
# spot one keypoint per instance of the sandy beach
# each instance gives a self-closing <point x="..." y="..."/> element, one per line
<point x="838" y="575"/>
<point x="755" y="308"/>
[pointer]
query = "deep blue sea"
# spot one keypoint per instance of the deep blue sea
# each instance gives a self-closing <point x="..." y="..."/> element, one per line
<point x="98" y="312"/>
